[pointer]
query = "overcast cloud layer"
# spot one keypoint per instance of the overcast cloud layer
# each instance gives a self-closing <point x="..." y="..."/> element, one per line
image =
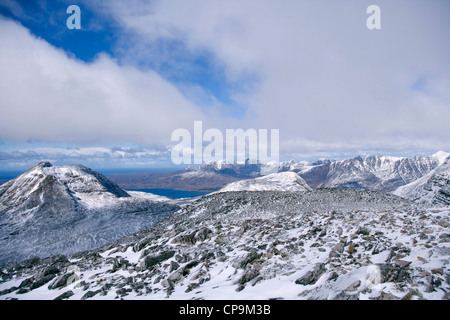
<point x="309" y="68"/>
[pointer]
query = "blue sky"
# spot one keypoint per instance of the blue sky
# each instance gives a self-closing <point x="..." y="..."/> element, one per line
<point x="46" y="19"/>
<point x="137" y="70"/>
<point x="101" y="34"/>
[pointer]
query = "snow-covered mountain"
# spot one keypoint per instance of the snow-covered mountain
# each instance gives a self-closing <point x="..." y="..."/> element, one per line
<point x="378" y="173"/>
<point x="67" y="209"/>
<point x="283" y="181"/>
<point x="433" y="188"/>
<point x="74" y="185"/>
<point x="242" y="170"/>
<point x="325" y="244"/>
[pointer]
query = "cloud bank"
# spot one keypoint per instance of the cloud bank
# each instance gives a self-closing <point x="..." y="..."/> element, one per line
<point x="47" y="95"/>
<point x="95" y="157"/>
<point x="323" y="75"/>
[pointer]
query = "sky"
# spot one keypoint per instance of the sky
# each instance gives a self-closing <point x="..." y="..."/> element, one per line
<point x="109" y="95"/>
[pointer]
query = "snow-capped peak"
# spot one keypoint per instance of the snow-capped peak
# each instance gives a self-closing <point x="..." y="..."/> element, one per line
<point x="81" y="179"/>
<point x="72" y="182"/>
<point x="50" y="209"/>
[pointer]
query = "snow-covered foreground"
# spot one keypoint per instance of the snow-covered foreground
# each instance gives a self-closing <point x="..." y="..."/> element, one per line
<point x="325" y="244"/>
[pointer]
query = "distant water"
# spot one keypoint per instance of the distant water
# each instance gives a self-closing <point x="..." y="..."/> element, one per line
<point x="8" y="175"/>
<point x="172" y="193"/>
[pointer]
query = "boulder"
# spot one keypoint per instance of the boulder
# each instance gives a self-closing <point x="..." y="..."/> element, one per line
<point x="61" y="281"/>
<point x="150" y="261"/>
<point x="65" y="295"/>
<point x="392" y="272"/>
<point x="251" y="256"/>
<point x="312" y="276"/>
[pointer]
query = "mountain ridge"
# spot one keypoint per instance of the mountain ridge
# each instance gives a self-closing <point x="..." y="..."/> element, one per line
<point x="380" y="173"/>
<point x="433" y="188"/>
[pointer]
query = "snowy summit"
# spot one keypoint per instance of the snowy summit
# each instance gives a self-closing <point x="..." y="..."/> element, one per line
<point x="61" y="210"/>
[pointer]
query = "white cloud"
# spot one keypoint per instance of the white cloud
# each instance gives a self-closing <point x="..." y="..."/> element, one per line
<point x="323" y="75"/>
<point x="324" y="79"/>
<point x="97" y="157"/>
<point x="47" y="95"/>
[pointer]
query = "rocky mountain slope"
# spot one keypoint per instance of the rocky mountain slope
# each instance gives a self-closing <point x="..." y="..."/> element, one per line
<point x="433" y="188"/>
<point x="377" y="173"/>
<point x="49" y="210"/>
<point x="321" y="244"/>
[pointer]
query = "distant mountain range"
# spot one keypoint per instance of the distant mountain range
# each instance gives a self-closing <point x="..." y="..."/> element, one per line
<point x="49" y="210"/>
<point x="382" y="174"/>
<point x="189" y="180"/>
<point x="379" y="173"/>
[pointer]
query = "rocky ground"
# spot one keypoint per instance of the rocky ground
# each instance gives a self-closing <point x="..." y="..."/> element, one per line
<point x="324" y="244"/>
